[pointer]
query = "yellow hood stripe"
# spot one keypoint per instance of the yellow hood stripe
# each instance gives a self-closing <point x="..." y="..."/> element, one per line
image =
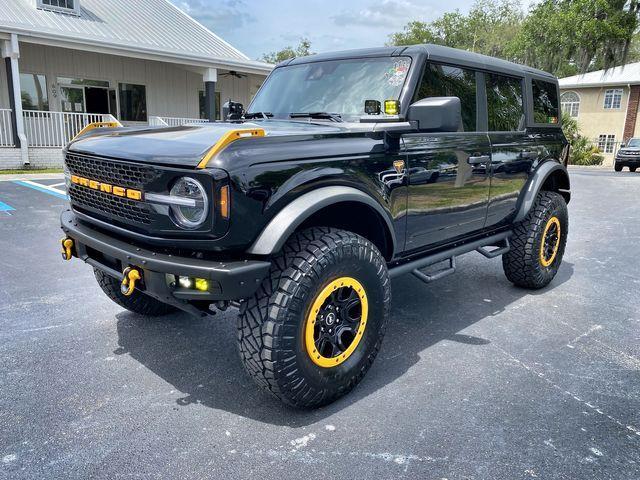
<point x="229" y="137"/>
<point x="94" y="125"/>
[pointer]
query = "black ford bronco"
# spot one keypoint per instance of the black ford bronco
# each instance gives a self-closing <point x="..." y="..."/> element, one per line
<point x="346" y="170"/>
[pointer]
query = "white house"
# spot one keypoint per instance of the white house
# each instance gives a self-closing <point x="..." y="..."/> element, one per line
<point x="70" y="62"/>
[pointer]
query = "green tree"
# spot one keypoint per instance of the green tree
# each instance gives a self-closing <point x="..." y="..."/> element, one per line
<point x="303" y="49"/>
<point x="490" y="27"/>
<point x="576" y="36"/>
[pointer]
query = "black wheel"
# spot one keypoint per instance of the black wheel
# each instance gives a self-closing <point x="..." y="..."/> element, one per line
<point x="137" y="302"/>
<point x="632" y="169"/>
<point x="538" y="243"/>
<point x="315" y="325"/>
<point x="617" y="168"/>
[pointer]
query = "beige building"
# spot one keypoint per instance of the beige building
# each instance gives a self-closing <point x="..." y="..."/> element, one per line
<point x="605" y="103"/>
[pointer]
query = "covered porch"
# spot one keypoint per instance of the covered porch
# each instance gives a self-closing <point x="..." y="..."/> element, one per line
<point x="48" y="93"/>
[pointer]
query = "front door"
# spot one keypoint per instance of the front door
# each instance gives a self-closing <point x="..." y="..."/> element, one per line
<point x="448" y="173"/>
<point x="97" y="100"/>
<point x="448" y="176"/>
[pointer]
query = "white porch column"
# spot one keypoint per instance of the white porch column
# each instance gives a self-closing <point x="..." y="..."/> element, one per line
<point x="11" y="54"/>
<point x="210" y="78"/>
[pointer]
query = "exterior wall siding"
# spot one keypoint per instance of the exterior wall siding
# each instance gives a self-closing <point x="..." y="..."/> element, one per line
<point x="172" y="90"/>
<point x="10" y="158"/>
<point x="594" y="120"/>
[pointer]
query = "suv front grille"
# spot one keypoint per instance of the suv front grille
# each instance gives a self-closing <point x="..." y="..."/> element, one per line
<point x="115" y="173"/>
<point x="130" y="211"/>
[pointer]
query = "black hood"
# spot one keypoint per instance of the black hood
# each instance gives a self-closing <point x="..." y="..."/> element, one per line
<point x="185" y="145"/>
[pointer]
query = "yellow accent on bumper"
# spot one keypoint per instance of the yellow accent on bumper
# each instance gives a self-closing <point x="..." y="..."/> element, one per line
<point x="95" y="125"/>
<point x="67" y="248"/>
<point x="228" y="138"/>
<point x="129" y="278"/>
<point x="309" y="329"/>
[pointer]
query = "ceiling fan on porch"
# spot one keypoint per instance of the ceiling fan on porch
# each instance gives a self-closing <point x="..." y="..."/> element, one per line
<point x="233" y="73"/>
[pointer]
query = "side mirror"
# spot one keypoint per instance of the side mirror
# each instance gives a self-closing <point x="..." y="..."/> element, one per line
<point x="436" y="114"/>
<point x="622" y="145"/>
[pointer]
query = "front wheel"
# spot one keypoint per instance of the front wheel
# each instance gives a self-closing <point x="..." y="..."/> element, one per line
<point x="617" y="168"/>
<point x="313" y="329"/>
<point x="538" y="243"/>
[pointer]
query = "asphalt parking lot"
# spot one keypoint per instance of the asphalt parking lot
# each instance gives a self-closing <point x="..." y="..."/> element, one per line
<point x="476" y="379"/>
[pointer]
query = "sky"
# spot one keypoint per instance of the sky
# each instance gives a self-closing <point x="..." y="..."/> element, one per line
<point x="256" y="27"/>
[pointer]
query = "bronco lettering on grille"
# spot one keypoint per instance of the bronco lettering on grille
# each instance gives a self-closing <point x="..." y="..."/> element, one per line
<point x="107" y="188"/>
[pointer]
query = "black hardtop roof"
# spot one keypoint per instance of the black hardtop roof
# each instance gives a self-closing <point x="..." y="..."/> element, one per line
<point x="436" y="53"/>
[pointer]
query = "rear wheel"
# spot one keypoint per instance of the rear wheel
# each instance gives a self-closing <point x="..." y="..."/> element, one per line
<point x="313" y="329"/>
<point x="617" y="168"/>
<point x="137" y="302"/>
<point x="538" y="243"/>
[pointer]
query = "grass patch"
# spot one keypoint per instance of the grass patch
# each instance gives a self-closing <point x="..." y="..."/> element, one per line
<point x="30" y="170"/>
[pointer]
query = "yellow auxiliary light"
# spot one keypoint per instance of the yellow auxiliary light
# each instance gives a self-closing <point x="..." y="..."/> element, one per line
<point x="202" y="284"/>
<point x="392" y="107"/>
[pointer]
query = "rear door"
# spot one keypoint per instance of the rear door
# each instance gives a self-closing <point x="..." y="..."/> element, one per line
<point x="513" y="149"/>
<point x="448" y="173"/>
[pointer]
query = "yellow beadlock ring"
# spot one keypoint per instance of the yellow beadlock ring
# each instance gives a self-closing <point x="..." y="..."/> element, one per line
<point x="309" y="330"/>
<point x="544" y="260"/>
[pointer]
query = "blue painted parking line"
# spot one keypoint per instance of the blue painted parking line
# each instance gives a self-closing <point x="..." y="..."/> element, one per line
<point x="5" y="208"/>
<point x="42" y="188"/>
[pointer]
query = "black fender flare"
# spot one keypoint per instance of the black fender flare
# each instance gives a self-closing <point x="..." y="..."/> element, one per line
<point x="280" y="227"/>
<point x="535" y="183"/>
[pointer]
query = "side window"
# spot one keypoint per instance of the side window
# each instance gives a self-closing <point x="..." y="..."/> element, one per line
<point x="545" y="102"/>
<point x="504" y="103"/>
<point x="446" y="81"/>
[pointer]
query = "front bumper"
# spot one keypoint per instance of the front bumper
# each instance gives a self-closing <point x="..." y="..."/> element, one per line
<point x="628" y="160"/>
<point x="228" y="280"/>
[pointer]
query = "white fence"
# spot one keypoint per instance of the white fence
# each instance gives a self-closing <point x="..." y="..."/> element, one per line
<point x="56" y="129"/>
<point x="173" y="121"/>
<point x="6" y="128"/>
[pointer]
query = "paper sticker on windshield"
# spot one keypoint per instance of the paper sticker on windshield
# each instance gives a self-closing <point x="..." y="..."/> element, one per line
<point x="397" y="73"/>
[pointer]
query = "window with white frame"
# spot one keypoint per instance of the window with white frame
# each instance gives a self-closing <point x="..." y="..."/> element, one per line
<point x="570" y="102"/>
<point x="606" y="143"/>
<point x="64" y="6"/>
<point x="612" y="99"/>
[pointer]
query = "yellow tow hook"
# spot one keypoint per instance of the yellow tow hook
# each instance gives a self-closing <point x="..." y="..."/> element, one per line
<point x="67" y="247"/>
<point x="129" y="278"/>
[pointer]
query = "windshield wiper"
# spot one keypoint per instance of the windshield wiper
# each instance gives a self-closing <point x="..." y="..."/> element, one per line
<point x="334" y="117"/>
<point x="265" y="115"/>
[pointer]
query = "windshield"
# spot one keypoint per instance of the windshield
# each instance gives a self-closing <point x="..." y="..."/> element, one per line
<point x="634" y="142"/>
<point x="337" y="86"/>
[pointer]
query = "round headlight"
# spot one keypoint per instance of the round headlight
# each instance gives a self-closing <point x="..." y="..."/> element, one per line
<point x="191" y="205"/>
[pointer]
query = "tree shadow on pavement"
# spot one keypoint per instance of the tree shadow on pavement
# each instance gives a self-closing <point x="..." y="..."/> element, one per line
<point x="199" y="356"/>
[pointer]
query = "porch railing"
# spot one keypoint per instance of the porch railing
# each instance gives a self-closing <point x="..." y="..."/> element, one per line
<point x="6" y="128"/>
<point x="56" y="129"/>
<point x="157" y="121"/>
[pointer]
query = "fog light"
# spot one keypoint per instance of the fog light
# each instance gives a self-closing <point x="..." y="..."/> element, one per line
<point x="185" y="282"/>
<point x="202" y="284"/>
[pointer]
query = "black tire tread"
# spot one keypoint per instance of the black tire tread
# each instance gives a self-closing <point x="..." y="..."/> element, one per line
<point x="260" y="317"/>
<point x="521" y="264"/>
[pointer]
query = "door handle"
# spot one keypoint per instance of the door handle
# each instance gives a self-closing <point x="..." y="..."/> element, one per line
<point x="478" y="160"/>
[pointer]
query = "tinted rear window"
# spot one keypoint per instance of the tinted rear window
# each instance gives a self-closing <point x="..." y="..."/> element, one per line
<point x="504" y="103"/>
<point x="545" y="102"/>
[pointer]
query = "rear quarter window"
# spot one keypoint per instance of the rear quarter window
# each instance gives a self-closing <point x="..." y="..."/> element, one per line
<point x="504" y="103"/>
<point x="545" y="102"/>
